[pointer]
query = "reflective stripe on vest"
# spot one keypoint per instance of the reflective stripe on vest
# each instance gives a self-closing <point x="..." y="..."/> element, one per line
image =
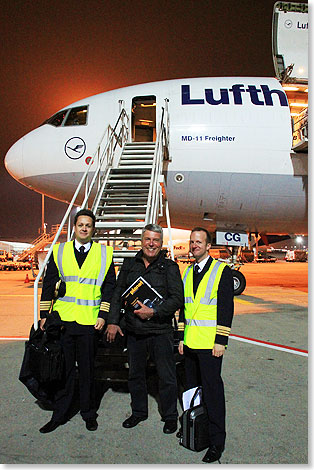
<point x="83" y="286"/>
<point x="205" y="300"/>
<point x="201" y="309"/>
<point x="91" y="303"/>
<point x="193" y="322"/>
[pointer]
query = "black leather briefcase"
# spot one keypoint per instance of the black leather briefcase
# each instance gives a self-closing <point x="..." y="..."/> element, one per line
<point x="44" y="354"/>
<point x="46" y="360"/>
<point x="195" y="426"/>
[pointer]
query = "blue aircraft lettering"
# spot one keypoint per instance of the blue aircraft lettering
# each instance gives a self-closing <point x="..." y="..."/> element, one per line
<point x="259" y="96"/>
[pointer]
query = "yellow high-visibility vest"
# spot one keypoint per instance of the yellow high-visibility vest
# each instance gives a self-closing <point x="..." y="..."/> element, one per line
<point x="201" y="311"/>
<point x="83" y="285"/>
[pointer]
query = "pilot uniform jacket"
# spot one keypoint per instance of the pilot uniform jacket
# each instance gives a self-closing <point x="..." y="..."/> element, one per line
<point x="79" y="341"/>
<point x="163" y="275"/>
<point x="201" y="367"/>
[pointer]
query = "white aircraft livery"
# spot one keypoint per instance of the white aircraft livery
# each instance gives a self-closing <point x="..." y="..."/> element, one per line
<point x="230" y="163"/>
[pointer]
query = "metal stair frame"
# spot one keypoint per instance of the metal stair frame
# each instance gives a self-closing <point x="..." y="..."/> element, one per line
<point x="103" y="157"/>
<point x="146" y="169"/>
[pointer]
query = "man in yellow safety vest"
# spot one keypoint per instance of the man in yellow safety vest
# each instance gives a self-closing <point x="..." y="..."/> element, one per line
<point x="82" y="273"/>
<point x="208" y="313"/>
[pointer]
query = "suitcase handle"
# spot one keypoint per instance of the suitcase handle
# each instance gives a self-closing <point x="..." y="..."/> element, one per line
<point x="197" y="392"/>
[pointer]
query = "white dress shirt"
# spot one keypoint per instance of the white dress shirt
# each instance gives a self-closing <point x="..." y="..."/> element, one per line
<point x="78" y="245"/>
<point x="201" y="264"/>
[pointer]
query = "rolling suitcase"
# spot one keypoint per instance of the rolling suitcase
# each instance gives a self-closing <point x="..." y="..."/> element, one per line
<point x="195" y="426"/>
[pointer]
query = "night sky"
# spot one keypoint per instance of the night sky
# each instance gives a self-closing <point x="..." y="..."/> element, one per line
<point x="57" y="52"/>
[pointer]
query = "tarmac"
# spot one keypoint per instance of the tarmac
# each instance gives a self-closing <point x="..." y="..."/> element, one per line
<point x="265" y="372"/>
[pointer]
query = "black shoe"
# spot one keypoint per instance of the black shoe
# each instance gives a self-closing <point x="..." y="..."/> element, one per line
<point x="170" y="426"/>
<point x="91" y="424"/>
<point x="50" y="426"/>
<point x="132" y="421"/>
<point x="213" y="453"/>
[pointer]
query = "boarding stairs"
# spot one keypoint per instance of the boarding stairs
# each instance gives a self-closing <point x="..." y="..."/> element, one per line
<point x="122" y="208"/>
<point x="40" y="243"/>
<point x="124" y="186"/>
<point x="300" y="132"/>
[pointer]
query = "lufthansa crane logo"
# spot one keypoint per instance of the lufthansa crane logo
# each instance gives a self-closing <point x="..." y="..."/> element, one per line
<point x="288" y="24"/>
<point x="75" y="148"/>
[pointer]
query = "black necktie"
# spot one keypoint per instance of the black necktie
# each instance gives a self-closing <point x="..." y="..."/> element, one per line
<point x="197" y="269"/>
<point x="82" y="249"/>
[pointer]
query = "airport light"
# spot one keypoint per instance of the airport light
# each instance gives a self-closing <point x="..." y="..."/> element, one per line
<point x="299" y="240"/>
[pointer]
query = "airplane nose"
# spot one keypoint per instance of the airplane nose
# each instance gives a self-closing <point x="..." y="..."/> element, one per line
<point x="14" y="160"/>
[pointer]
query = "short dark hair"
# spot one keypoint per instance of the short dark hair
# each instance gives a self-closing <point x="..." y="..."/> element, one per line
<point x="208" y="235"/>
<point x="86" y="212"/>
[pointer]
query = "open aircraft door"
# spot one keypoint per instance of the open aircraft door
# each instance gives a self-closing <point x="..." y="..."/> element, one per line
<point x="144" y="118"/>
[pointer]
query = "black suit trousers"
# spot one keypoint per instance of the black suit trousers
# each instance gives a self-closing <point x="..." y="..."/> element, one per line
<point x="80" y="348"/>
<point x="201" y="368"/>
<point x="160" y="350"/>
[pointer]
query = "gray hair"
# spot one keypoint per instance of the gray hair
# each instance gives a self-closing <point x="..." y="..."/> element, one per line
<point x="153" y="228"/>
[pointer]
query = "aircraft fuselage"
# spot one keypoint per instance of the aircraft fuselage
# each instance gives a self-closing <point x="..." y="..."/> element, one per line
<point x="231" y="164"/>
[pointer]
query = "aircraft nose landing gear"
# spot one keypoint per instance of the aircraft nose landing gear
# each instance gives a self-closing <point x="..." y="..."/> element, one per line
<point x="239" y="282"/>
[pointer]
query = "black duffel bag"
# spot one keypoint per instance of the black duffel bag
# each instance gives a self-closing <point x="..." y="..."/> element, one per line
<point x="46" y="360"/>
<point x="42" y="369"/>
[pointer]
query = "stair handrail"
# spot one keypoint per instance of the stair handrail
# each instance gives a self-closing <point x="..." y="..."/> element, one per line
<point x="119" y="138"/>
<point x="162" y="142"/>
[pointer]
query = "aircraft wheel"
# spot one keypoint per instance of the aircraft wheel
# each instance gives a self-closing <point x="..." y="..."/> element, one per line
<point x="239" y="282"/>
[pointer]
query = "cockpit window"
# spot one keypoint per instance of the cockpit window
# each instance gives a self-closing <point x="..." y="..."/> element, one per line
<point x="77" y="117"/>
<point x="69" y="117"/>
<point x="57" y="119"/>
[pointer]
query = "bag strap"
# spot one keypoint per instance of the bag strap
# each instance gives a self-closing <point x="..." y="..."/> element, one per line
<point x="196" y="393"/>
<point x="43" y="339"/>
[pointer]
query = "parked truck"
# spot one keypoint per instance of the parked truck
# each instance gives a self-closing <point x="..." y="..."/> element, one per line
<point x="7" y="262"/>
<point x="296" y="255"/>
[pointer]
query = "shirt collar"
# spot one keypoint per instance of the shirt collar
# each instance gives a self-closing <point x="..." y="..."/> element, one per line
<point x="202" y="263"/>
<point x="78" y="245"/>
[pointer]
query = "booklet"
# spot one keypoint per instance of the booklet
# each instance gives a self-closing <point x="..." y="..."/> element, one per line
<point x="142" y="291"/>
<point x="188" y="395"/>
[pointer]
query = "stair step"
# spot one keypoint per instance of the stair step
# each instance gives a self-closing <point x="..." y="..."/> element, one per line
<point x="117" y="237"/>
<point x="126" y="182"/>
<point x="125" y="191"/>
<point x="137" y="171"/>
<point x="130" y="166"/>
<point x="124" y="199"/>
<point x="140" y="145"/>
<point x="135" y="164"/>
<point x="144" y="158"/>
<point x="120" y="216"/>
<point x="121" y="208"/>
<point x="120" y="225"/>
<point x="147" y="152"/>
<point x="123" y="174"/>
<point x="111" y="202"/>
<point x="141" y="142"/>
<point x="124" y="253"/>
